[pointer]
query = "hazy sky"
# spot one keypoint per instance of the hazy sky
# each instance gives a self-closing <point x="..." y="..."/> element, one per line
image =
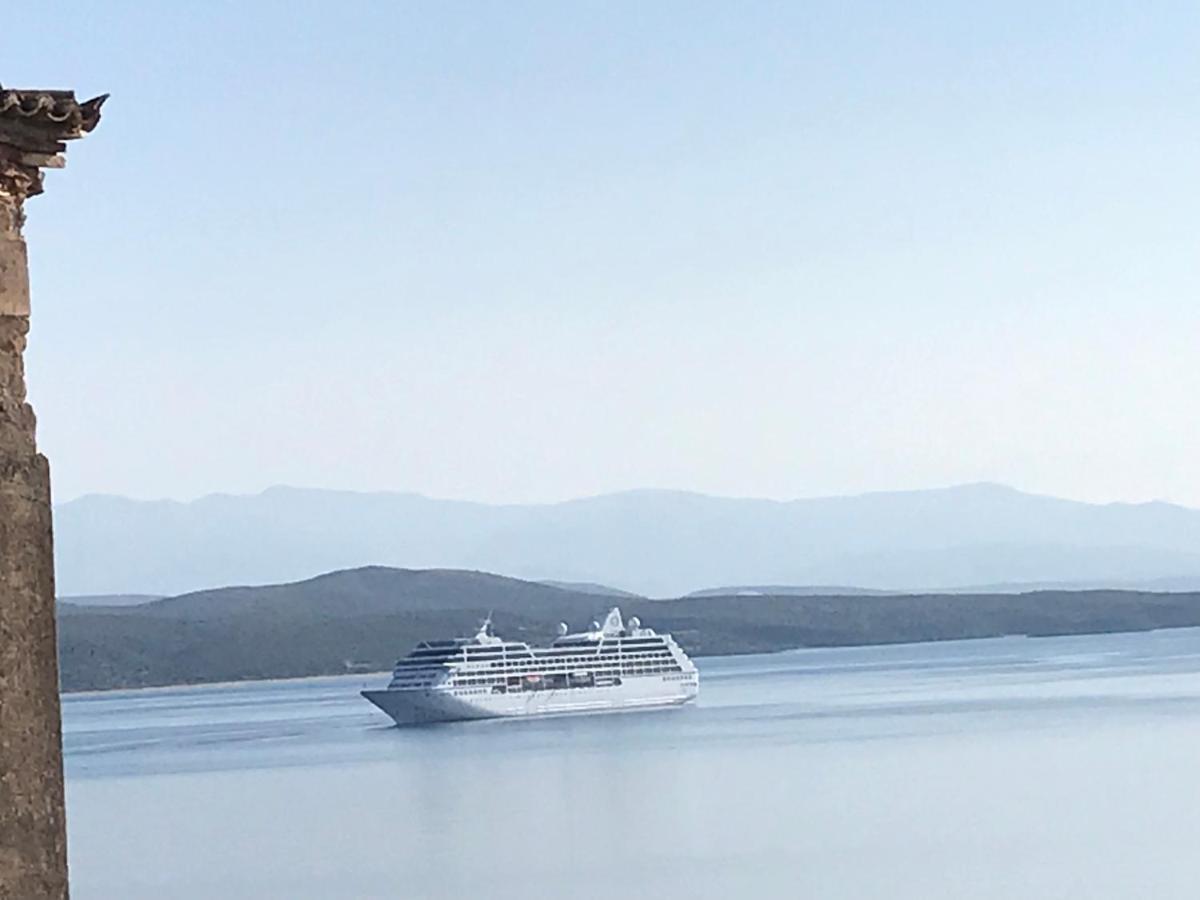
<point x="513" y="251"/>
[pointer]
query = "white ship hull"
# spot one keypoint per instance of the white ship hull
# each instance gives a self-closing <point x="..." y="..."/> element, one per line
<point x="440" y="704"/>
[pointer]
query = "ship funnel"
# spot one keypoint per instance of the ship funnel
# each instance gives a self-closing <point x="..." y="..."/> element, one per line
<point x="484" y="634"/>
<point x="612" y="623"/>
<point x="562" y="629"/>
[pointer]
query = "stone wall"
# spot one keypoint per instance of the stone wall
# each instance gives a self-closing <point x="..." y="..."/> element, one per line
<point x="32" y="828"/>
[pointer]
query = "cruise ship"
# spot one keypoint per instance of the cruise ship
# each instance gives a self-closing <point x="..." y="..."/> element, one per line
<point x="613" y="667"/>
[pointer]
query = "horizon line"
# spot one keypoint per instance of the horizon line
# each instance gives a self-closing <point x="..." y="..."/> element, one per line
<point x="686" y="492"/>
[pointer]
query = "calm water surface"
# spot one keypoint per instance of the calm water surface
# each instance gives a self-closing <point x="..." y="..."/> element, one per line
<point x="1016" y="768"/>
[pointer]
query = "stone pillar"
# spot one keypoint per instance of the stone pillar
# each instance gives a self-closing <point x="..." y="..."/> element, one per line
<point x="33" y="853"/>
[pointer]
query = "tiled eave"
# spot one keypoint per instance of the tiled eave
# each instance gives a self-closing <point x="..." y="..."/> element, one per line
<point x="40" y="121"/>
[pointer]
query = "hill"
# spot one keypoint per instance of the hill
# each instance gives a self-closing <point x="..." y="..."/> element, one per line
<point x="364" y="619"/>
<point x="654" y="543"/>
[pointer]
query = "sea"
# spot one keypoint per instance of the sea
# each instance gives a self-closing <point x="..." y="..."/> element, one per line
<point x="1060" y="767"/>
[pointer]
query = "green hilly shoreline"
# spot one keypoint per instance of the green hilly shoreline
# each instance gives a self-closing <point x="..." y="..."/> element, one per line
<point x="363" y="619"/>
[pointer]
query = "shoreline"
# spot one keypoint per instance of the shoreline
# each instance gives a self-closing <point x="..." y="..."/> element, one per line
<point x="86" y="693"/>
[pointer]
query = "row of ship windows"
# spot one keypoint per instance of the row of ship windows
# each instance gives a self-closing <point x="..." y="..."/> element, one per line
<point x="576" y="660"/>
<point x="557" y="651"/>
<point x="526" y="653"/>
<point x="536" y="683"/>
<point x="666" y="665"/>
<point x="453" y="646"/>
<point x="557" y="662"/>
<point x="516" y="679"/>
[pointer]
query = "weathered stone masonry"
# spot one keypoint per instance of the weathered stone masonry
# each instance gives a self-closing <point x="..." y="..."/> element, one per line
<point x="33" y="861"/>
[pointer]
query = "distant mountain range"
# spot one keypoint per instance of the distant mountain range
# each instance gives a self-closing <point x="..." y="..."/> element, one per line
<point x="653" y="543"/>
<point x="109" y="599"/>
<point x="363" y="619"/>
<point x="785" y="590"/>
